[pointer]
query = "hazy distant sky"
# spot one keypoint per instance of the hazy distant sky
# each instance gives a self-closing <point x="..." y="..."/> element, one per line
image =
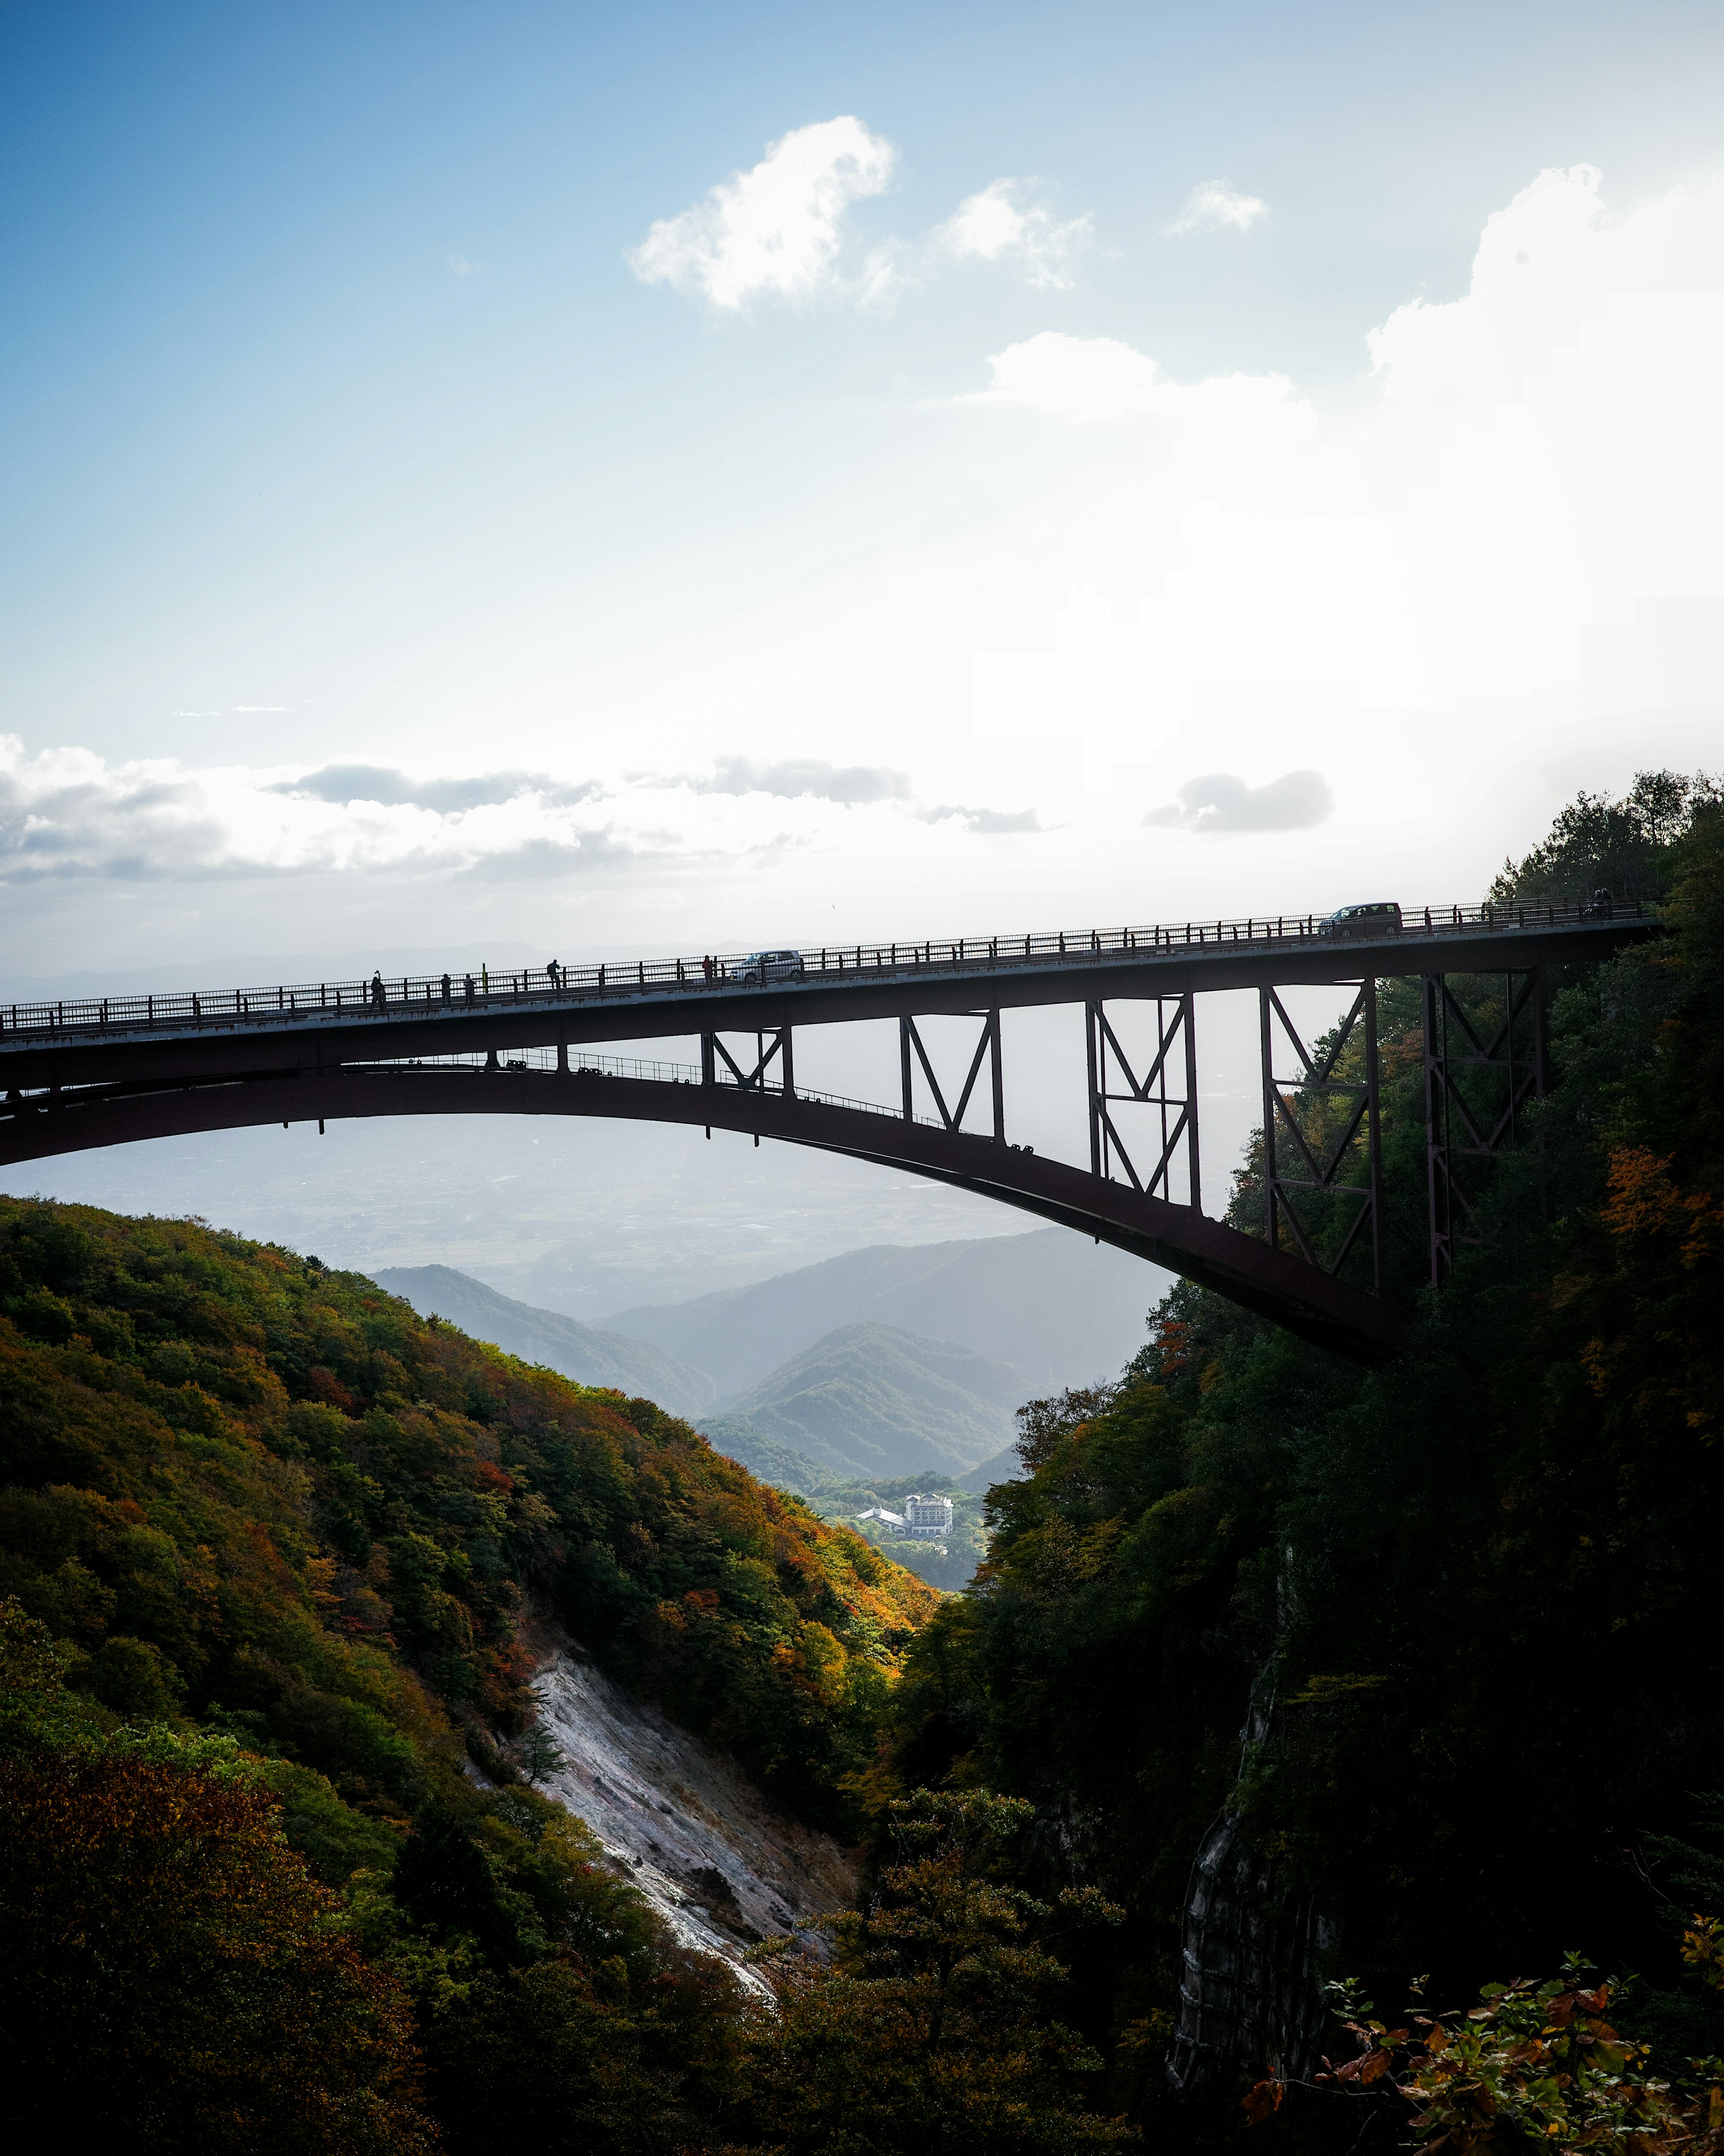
<point x="683" y="475"/>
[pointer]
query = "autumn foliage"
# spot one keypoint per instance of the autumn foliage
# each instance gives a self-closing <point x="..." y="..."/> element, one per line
<point x="173" y="1971"/>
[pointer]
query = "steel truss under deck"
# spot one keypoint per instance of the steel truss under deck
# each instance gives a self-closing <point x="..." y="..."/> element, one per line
<point x="108" y="1072"/>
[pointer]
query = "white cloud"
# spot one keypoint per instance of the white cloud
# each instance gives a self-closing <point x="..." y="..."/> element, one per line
<point x="68" y="813"/>
<point x="1093" y="381"/>
<point x="1509" y="529"/>
<point x="800" y="777"/>
<point x="991" y="822"/>
<point x="776" y="230"/>
<point x="1005" y="223"/>
<point x="1297" y="800"/>
<point x="1491" y="573"/>
<point x="1213" y="206"/>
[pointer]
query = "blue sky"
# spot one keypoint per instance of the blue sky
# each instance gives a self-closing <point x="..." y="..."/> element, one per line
<point x="341" y="432"/>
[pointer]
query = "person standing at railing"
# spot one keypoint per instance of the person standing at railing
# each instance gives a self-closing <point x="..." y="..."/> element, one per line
<point x="445" y="988"/>
<point x="553" y="973"/>
<point x="376" y="990"/>
<point x="470" y="987"/>
<point x="706" y="970"/>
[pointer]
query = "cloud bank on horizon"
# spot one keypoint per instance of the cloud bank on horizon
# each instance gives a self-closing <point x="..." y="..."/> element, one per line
<point x="67" y="814"/>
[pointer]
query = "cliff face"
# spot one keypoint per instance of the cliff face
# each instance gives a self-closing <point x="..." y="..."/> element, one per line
<point x="1251" y="1955"/>
<point x="721" y="1866"/>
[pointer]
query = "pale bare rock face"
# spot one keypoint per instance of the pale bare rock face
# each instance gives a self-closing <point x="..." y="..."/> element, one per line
<point x="721" y="1865"/>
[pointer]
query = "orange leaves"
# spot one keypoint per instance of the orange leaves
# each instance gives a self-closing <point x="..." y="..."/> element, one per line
<point x="1369" y="2066"/>
<point x="485" y="1475"/>
<point x="1263" y="2102"/>
<point x="326" y="1386"/>
<point x="1645" y="1203"/>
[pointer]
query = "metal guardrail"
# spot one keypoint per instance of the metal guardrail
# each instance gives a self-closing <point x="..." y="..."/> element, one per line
<point x="653" y="1069"/>
<point x="405" y="996"/>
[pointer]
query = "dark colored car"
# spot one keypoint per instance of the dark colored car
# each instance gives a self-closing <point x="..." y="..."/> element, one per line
<point x="1357" y="923"/>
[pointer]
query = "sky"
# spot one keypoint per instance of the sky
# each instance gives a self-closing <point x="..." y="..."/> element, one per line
<point x="675" y="476"/>
<point x="550" y="480"/>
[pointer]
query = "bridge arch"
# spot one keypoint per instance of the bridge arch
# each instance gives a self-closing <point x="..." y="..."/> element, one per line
<point x="1179" y="1237"/>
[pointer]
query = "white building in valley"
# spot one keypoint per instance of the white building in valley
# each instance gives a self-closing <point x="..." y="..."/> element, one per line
<point x="929" y="1519"/>
<point x="923" y="1519"/>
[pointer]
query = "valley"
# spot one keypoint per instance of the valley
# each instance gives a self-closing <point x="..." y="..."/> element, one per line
<point x="885" y="1362"/>
<point x="516" y="1680"/>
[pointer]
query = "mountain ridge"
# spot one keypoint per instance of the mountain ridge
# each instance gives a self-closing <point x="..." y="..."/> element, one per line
<point x="1048" y="1302"/>
<point x="866" y="1400"/>
<point x="587" y="1353"/>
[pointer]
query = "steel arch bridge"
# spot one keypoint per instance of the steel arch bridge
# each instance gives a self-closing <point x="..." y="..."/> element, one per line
<point x="105" y="1071"/>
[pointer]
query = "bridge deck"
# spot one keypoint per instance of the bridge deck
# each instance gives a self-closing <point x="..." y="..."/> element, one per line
<point x="316" y="1024"/>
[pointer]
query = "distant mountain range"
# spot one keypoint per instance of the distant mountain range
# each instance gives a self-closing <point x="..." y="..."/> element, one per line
<point x="887" y="1362"/>
<point x="1058" y="1309"/>
<point x="587" y="1353"/>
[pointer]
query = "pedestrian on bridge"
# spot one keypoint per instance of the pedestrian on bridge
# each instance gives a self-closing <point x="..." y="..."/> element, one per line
<point x="376" y="990"/>
<point x="706" y="969"/>
<point x="445" y="988"/>
<point x="470" y="991"/>
<point x="553" y="973"/>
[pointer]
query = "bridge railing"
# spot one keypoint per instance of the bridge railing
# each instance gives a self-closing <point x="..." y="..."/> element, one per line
<point x="654" y="1070"/>
<point x="411" y="995"/>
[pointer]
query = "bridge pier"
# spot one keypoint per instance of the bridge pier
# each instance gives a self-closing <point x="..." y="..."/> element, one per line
<point x="1322" y="1154"/>
<point x="1103" y="1047"/>
<point x="1478" y="1087"/>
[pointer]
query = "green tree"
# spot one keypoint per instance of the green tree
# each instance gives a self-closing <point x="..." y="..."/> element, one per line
<point x="936" y="2029"/>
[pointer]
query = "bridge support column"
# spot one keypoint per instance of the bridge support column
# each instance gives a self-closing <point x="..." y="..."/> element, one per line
<point x="1484" y="1069"/>
<point x="1173" y="1059"/>
<point x="1320" y="1121"/>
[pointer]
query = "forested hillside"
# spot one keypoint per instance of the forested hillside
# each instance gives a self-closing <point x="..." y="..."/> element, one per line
<point x="1463" y="1607"/>
<point x="266" y="1513"/>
